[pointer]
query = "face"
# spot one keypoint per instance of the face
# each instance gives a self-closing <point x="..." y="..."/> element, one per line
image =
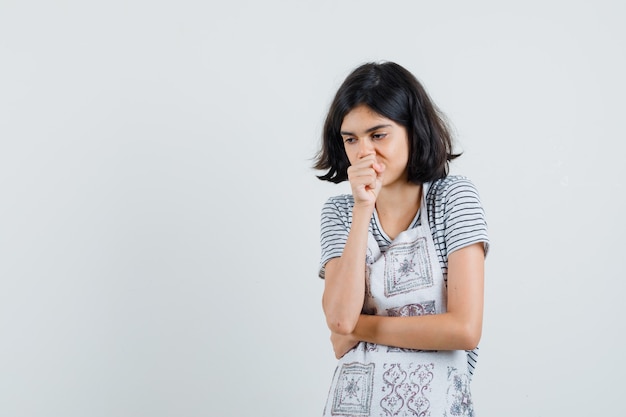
<point x="365" y="132"/>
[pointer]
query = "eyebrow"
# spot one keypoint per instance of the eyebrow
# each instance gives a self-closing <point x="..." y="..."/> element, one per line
<point x="371" y="129"/>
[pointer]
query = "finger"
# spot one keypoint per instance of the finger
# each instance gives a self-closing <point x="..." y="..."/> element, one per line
<point x="368" y="157"/>
<point x="379" y="167"/>
<point x="362" y="176"/>
<point x="366" y="161"/>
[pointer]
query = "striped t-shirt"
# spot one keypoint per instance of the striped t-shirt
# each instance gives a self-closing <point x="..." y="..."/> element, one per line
<point x="455" y="216"/>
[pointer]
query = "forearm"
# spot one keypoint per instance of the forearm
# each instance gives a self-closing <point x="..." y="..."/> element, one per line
<point x="344" y="286"/>
<point x="447" y="331"/>
<point x="460" y="327"/>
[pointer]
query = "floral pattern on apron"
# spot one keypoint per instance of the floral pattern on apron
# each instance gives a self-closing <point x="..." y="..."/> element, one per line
<point x="377" y="380"/>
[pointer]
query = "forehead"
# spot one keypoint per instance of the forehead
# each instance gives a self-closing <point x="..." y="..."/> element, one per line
<point x="363" y="117"/>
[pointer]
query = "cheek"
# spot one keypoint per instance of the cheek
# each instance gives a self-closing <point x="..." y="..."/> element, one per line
<point x="350" y="155"/>
<point x="401" y="154"/>
<point x="405" y="153"/>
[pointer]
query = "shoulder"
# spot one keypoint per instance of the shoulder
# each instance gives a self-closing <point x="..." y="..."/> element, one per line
<point x="450" y="188"/>
<point x="341" y="204"/>
<point x="456" y="213"/>
<point x="452" y="199"/>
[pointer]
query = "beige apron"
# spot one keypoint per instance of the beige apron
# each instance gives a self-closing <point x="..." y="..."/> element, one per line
<point x="377" y="380"/>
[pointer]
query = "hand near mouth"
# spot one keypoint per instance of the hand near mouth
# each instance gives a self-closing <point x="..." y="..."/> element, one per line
<point x="366" y="180"/>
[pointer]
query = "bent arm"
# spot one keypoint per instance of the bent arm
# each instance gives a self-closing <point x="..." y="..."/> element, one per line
<point x="459" y="328"/>
<point x="344" y="282"/>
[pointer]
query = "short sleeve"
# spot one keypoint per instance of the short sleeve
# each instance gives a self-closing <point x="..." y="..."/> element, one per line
<point x="463" y="215"/>
<point x="334" y="228"/>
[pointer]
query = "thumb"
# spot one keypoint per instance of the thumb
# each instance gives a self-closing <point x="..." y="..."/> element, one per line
<point x="380" y="174"/>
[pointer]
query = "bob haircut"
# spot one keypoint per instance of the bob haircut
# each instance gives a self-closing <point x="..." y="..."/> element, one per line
<point x="393" y="92"/>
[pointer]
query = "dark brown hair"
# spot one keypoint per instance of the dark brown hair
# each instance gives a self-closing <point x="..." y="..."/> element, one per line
<point x="393" y="92"/>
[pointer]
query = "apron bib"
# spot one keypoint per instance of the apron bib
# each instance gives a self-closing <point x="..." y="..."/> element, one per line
<point x="378" y="380"/>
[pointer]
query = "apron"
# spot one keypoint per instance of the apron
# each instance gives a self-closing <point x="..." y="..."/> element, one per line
<point x="378" y="380"/>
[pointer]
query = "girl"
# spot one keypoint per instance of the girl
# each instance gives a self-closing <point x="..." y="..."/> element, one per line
<point x="402" y="256"/>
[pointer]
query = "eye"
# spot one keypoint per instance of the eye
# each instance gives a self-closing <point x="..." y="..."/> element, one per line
<point x="378" y="136"/>
<point x="349" y="140"/>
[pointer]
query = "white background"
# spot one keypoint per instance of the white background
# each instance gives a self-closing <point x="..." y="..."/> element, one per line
<point x="159" y="216"/>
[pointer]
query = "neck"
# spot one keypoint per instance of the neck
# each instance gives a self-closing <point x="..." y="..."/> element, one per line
<point x="397" y="207"/>
<point x="399" y="199"/>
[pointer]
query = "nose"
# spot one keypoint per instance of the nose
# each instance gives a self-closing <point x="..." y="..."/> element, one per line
<point x="365" y="148"/>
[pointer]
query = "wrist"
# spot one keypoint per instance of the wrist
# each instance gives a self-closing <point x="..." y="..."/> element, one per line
<point x="365" y="328"/>
<point x="365" y="208"/>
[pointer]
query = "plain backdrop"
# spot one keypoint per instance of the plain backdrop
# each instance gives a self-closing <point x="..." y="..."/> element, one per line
<point x="159" y="216"/>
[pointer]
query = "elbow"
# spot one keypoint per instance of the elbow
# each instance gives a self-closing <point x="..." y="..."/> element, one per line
<point x="339" y="321"/>
<point x="342" y="325"/>
<point x="469" y="337"/>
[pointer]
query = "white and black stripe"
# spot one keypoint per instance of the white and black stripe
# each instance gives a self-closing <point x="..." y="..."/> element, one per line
<point x="455" y="216"/>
